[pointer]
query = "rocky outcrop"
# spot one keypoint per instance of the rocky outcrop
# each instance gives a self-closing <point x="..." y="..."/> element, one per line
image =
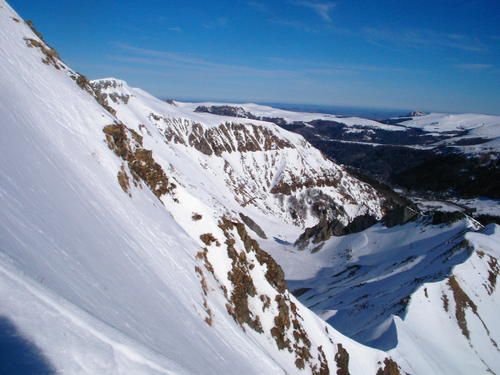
<point x="287" y="329"/>
<point x="108" y="89"/>
<point x="389" y="368"/>
<point x="342" y="360"/>
<point x="227" y="137"/>
<point x="127" y="144"/>
<point x="226" y="110"/>
<point x="51" y="56"/>
<point x="253" y="225"/>
<point x="328" y="228"/>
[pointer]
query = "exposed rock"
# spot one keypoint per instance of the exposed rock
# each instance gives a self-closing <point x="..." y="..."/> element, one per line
<point x="225" y="110"/>
<point x="342" y="360"/>
<point x="323" y="364"/>
<point x="446" y="302"/>
<point x="390" y="368"/>
<point x="123" y="179"/>
<point x="442" y="217"/>
<point x="127" y="144"/>
<point x="328" y="228"/>
<point x="204" y="287"/>
<point x="400" y="216"/>
<point x="227" y="137"/>
<point x="416" y="114"/>
<point x="243" y="286"/>
<point x="196" y="216"/>
<point x="31" y="25"/>
<point x="287" y="331"/>
<point x="274" y="274"/>
<point x="208" y="239"/>
<point x="51" y="55"/>
<point x="462" y="302"/>
<point x="493" y="272"/>
<point x="253" y="226"/>
<point x="281" y="325"/>
<point x="296" y="183"/>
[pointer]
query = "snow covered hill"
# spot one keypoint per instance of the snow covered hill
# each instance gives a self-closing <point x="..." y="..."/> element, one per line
<point x="244" y="165"/>
<point x="405" y="152"/>
<point x="134" y="239"/>
<point x="110" y="264"/>
<point x="427" y="292"/>
<point x="423" y="129"/>
<point x="256" y="111"/>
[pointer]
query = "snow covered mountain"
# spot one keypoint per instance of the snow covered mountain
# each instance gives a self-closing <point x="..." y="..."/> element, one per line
<point x="408" y="152"/>
<point x="418" y="128"/>
<point x="136" y="234"/>
<point x="425" y="290"/>
<point x="244" y="165"/>
<point x="110" y="265"/>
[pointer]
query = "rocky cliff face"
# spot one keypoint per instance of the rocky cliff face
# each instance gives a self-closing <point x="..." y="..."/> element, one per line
<point x="262" y="165"/>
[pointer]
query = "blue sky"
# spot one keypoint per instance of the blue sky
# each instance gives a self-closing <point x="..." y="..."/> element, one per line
<point x="431" y="55"/>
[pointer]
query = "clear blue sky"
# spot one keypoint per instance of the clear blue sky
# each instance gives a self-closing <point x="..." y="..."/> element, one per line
<point x="431" y="55"/>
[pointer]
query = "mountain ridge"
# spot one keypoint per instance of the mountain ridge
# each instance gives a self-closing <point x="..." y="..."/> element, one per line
<point x="124" y="250"/>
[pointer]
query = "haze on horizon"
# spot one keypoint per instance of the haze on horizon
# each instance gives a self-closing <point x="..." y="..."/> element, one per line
<point x="427" y="55"/>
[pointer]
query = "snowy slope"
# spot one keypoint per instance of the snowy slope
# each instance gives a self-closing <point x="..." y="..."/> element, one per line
<point x="122" y="248"/>
<point x="110" y="265"/>
<point x="386" y="287"/>
<point x="455" y="321"/>
<point x="243" y="165"/>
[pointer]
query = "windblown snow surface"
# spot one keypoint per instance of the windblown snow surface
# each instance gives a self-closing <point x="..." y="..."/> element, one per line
<point x="106" y="282"/>
<point x="122" y="249"/>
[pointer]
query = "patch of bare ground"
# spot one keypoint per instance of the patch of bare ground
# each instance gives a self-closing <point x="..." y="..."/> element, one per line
<point x="266" y="302"/>
<point x="323" y="368"/>
<point x="203" y="256"/>
<point x="462" y="302"/>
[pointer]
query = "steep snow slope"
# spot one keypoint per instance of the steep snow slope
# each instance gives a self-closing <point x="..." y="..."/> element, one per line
<point x="88" y="274"/>
<point x="454" y="323"/>
<point x="427" y="292"/>
<point x="108" y="264"/>
<point x="245" y="165"/>
<point x="122" y="248"/>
